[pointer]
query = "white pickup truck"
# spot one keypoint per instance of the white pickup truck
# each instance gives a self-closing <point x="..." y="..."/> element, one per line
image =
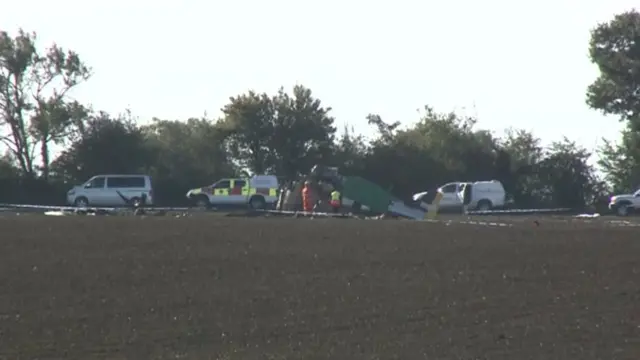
<point x="624" y="204"/>
<point x="486" y="195"/>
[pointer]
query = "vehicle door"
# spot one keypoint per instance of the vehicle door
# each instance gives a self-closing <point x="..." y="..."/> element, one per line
<point x="263" y="185"/>
<point x="121" y="189"/>
<point x="220" y="193"/>
<point x="94" y="191"/>
<point x="236" y="195"/>
<point x="462" y="189"/>
<point x="450" y="199"/>
<point x="636" y="199"/>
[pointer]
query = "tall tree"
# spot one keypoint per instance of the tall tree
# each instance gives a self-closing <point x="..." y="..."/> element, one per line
<point x="249" y="122"/>
<point x="33" y="89"/>
<point x="284" y="134"/>
<point x="615" y="49"/>
<point x="303" y="132"/>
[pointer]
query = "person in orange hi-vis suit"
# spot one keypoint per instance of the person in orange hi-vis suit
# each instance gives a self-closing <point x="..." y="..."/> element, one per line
<point x="307" y="202"/>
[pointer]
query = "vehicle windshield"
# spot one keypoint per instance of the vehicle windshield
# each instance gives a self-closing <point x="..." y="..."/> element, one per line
<point x="637" y="193"/>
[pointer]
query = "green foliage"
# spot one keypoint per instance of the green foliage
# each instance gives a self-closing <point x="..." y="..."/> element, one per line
<point x="280" y="134"/>
<point x="621" y="161"/>
<point x="33" y="106"/>
<point x="615" y="49"/>
<point x="108" y="146"/>
<point x="286" y="133"/>
<point x="185" y="155"/>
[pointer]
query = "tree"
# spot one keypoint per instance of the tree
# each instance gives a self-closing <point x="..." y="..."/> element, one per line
<point x="108" y="146"/>
<point x="33" y="90"/>
<point x="350" y="151"/>
<point x="303" y="132"/>
<point x="620" y="162"/>
<point x="615" y="49"/>
<point x="441" y="147"/>
<point x="452" y="140"/>
<point x="249" y="122"/>
<point x="283" y="134"/>
<point x="184" y="155"/>
<point x="565" y="177"/>
<point x="524" y="152"/>
<point x="386" y="131"/>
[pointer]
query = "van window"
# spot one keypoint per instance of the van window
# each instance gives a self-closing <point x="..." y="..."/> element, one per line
<point x="239" y="183"/>
<point x="125" y="182"/>
<point x="95" y="183"/>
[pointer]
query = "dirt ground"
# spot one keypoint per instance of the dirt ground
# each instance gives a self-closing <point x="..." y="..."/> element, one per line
<point x="233" y="288"/>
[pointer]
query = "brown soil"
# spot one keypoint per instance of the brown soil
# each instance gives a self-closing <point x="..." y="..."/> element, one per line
<point x="222" y="288"/>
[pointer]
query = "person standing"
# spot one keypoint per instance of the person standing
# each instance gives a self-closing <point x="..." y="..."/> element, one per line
<point x="307" y="201"/>
<point x="335" y="201"/>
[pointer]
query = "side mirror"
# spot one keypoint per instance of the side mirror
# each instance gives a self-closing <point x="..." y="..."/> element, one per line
<point x="86" y="186"/>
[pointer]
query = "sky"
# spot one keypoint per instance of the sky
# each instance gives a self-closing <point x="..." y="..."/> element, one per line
<point x="510" y="63"/>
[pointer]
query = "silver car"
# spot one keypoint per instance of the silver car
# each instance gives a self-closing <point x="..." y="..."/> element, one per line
<point x="112" y="190"/>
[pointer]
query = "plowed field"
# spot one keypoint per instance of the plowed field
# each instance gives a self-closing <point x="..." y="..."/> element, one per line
<point x="233" y="288"/>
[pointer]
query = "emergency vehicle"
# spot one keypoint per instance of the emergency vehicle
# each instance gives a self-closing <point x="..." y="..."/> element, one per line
<point x="258" y="192"/>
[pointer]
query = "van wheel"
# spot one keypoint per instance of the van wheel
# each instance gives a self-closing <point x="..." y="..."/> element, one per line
<point x="484" y="205"/>
<point x="257" y="203"/>
<point x="81" y="202"/>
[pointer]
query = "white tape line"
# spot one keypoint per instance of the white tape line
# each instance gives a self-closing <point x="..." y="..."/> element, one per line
<point x="73" y="208"/>
<point x="481" y="223"/>
<point x="517" y="211"/>
<point x="623" y="223"/>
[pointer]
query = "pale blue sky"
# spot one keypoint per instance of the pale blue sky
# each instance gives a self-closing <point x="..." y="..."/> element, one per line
<point x="511" y="63"/>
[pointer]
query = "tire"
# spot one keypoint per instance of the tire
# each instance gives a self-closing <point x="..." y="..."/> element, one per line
<point x="202" y="202"/>
<point x="484" y="205"/>
<point x="623" y="210"/>
<point x="257" y="203"/>
<point x="81" y="202"/>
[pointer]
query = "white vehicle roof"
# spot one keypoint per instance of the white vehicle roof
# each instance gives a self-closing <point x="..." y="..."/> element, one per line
<point x="120" y="175"/>
<point x="264" y="181"/>
<point x="495" y="184"/>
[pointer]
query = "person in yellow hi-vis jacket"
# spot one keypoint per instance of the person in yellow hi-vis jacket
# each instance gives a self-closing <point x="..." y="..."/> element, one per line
<point x="335" y="201"/>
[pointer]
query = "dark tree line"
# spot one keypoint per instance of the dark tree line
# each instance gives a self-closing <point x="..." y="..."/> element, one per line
<point x="288" y="132"/>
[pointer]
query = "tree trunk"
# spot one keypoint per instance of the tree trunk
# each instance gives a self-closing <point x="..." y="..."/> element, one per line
<point x="44" y="154"/>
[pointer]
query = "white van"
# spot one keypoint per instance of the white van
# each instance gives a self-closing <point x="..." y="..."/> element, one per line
<point x="486" y="195"/>
<point x="112" y="190"/>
